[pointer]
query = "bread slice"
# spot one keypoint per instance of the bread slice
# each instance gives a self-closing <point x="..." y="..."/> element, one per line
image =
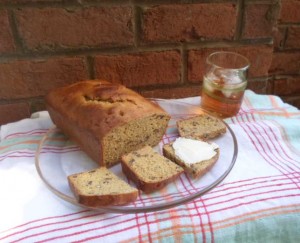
<point x="201" y="127"/>
<point x="100" y="187"/>
<point x="148" y="169"/>
<point x="196" y="170"/>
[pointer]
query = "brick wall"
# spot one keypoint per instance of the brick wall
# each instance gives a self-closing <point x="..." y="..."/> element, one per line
<point x="285" y="69"/>
<point x="155" y="47"/>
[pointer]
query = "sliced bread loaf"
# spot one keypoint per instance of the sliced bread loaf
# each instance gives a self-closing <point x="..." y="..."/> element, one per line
<point x="148" y="169"/>
<point x="106" y="119"/>
<point x="100" y="187"/>
<point x="197" y="169"/>
<point x="201" y="126"/>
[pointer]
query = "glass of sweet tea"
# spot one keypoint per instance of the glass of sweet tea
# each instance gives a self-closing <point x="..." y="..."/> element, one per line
<point x="224" y="83"/>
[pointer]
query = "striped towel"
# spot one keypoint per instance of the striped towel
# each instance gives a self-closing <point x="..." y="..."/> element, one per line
<point x="259" y="201"/>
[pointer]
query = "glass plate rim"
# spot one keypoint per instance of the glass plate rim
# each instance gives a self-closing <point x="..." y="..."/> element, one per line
<point x="126" y="210"/>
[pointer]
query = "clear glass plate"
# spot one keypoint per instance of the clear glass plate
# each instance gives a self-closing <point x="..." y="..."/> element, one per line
<point x="57" y="157"/>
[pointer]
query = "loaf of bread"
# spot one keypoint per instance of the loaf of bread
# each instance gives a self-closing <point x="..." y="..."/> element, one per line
<point x="148" y="169"/>
<point x="107" y="120"/>
<point x="197" y="169"/>
<point x="202" y="126"/>
<point x="100" y="187"/>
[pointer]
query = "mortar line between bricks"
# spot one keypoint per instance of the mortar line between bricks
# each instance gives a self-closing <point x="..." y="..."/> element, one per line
<point x="270" y="85"/>
<point x="63" y="4"/>
<point x="90" y="67"/>
<point x="288" y="24"/>
<point x="145" y="88"/>
<point x="17" y="37"/>
<point x="128" y="50"/>
<point x="87" y="52"/>
<point x="257" y="2"/>
<point x="164" y="86"/>
<point x="287" y="51"/>
<point x="286" y="32"/>
<point x="164" y="2"/>
<point x="239" y="20"/>
<point x="21" y="100"/>
<point x="245" y="42"/>
<point x="136" y="24"/>
<point x="280" y="76"/>
<point x="184" y="64"/>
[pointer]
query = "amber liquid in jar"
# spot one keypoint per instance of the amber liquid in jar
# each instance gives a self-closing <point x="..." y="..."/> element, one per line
<point x="224" y="100"/>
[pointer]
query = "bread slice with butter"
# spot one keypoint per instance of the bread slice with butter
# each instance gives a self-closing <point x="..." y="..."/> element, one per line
<point x="197" y="168"/>
<point x="100" y="187"/>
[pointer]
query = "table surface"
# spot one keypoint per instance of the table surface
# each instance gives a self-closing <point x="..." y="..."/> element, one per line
<point x="258" y="201"/>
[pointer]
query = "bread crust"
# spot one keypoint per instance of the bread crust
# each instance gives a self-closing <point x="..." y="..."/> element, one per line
<point x="88" y="103"/>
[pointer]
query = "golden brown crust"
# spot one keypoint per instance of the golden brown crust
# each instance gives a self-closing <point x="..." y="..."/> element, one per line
<point x="107" y="200"/>
<point x="86" y="140"/>
<point x="93" y="101"/>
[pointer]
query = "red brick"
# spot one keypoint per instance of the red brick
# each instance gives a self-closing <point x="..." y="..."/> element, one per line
<point x="6" y="38"/>
<point x="259" y="21"/>
<point x="281" y="87"/>
<point x="50" y="28"/>
<point x="270" y="86"/>
<point x="141" y="69"/>
<point x="260" y="58"/>
<point x="13" y="112"/>
<point x="293" y="37"/>
<point x="188" y="22"/>
<point x="173" y="92"/>
<point x="286" y="63"/>
<point x="295" y="101"/>
<point x="258" y="86"/>
<point x="23" y="79"/>
<point x="287" y="86"/>
<point x="290" y="11"/>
